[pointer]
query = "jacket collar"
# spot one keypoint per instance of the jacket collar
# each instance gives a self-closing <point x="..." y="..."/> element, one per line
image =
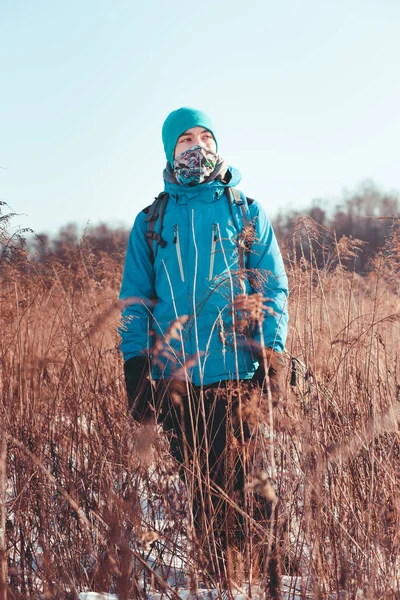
<point x="205" y="192"/>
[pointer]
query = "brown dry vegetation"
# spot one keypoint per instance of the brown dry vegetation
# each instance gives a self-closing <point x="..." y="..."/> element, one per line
<point x="75" y="470"/>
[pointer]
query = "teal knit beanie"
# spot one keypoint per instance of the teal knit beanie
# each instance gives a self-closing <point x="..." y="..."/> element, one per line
<point x="180" y="121"/>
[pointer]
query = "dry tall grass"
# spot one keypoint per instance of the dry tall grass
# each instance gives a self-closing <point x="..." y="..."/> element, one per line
<point x="81" y="486"/>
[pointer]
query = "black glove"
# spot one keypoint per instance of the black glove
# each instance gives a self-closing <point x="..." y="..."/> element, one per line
<point x="275" y="364"/>
<point x="139" y="388"/>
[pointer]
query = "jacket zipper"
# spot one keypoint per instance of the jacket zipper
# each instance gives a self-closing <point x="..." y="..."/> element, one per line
<point x="178" y="251"/>
<point x="212" y="254"/>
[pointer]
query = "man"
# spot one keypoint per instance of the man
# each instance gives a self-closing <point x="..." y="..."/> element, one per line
<point x="205" y="315"/>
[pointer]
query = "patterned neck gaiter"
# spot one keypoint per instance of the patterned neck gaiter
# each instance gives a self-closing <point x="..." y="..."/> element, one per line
<point x="194" y="165"/>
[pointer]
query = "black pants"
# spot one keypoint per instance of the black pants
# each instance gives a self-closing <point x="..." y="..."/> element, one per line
<point x="209" y="438"/>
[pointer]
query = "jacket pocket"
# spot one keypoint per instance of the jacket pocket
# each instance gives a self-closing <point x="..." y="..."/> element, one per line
<point x="178" y="251"/>
<point x="214" y="238"/>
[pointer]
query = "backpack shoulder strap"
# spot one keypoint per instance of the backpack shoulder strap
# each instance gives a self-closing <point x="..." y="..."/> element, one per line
<point x="239" y="206"/>
<point x="155" y="212"/>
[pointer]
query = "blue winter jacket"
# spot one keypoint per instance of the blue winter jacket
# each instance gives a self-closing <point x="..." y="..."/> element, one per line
<point x="181" y="305"/>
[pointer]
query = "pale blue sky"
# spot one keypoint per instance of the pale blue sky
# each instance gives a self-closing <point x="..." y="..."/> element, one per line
<point x="305" y="96"/>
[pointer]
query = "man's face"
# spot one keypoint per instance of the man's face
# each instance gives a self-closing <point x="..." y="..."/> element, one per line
<point x="196" y="136"/>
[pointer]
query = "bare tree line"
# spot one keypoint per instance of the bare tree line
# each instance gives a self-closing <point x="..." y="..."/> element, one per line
<point x="367" y="215"/>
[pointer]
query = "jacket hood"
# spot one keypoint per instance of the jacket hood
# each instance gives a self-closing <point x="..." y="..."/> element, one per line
<point x="207" y="192"/>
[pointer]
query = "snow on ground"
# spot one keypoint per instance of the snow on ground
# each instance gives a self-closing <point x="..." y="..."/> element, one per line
<point x="96" y="596"/>
<point x="291" y="590"/>
<point x="173" y="567"/>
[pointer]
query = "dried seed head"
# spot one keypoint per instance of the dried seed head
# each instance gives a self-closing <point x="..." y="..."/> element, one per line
<point x="148" y="538"/>
<point x="261" y="485"/>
